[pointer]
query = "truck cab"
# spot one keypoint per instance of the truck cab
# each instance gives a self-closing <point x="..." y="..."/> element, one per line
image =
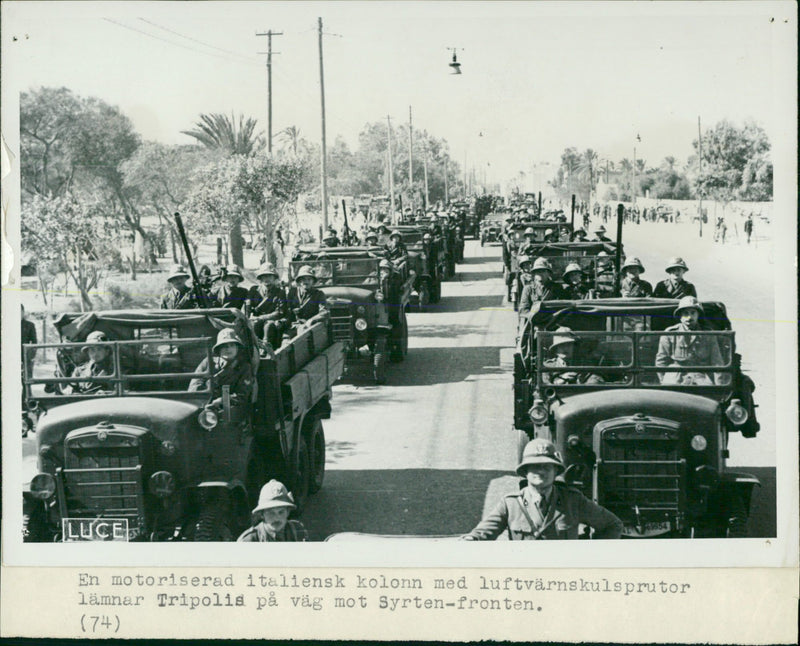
<point x="642" y="436"/>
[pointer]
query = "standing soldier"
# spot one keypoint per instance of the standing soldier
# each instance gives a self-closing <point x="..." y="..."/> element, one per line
<point x="675" y="286"/>
<point x="228" y="293"/>
<point x="574" y="287"/>
<point x="632" y="286"/>
<point x="180" y="296"/>
<point x="395" y="250"/>
<point x="545" y="508"/>
<point x="541" y="288"/>
<point x="748" y="227"/>
<point x="268" y="306"/>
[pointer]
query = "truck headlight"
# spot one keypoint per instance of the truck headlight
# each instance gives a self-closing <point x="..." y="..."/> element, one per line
<point x="361" y="310"/>
<point x="43" y="486"/>
<point x="361" y="325"/>
<point x="736" y="413"/>
<point x="207" y="418"/>
<point x="538" y="412"/>
<point x="162" y="484"/>
<point x="699" y="443"/>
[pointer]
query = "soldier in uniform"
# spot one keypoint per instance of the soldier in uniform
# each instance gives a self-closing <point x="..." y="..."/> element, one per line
<point x="574" y="287"/>
<point x="541" y="288"/>
<point x="550" y="236"/>
<point x="560" y="354"/>
<point x="330" y="239"/>
<point x="180" y="296"/>
<point x="371" y="239"/>
<point x="268" y="306"/>
<point x="231" y="367"/>
<point x="395" y="250"/>
<point x="632" y="286"/>
<point x="604" y="276"/>
<point x="599" y="236"/>
<point x="675" y="286"/>
<point x="228" y="293"/>
<point x="689" y="350"/>
<point x="528" y="244"/>
<point x="545" y="508"/>
<point x="99" y="364"/>
<point x="305" y="301"/>
<point x="579" y="235"/>
<point x="270" y="518"/>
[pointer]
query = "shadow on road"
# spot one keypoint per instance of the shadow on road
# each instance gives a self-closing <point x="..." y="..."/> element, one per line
<point x="404" y="501"/>
<point x="466" y="303"/>
<point x="480" y="260"/>
<point x="445" y="331"/>
<point x="474" y="276"/>
<point x="428" y="366"/>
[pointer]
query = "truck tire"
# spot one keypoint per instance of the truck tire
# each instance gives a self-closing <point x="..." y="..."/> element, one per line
<point x="301" y="480"/>
<point x="27" y="425"/>
<point x="424" y="297"/>
<point x="379" y="361"/>
<point x="316" y="443"/>
<point x="34" y="524"/>
<point x="214" y="522"/>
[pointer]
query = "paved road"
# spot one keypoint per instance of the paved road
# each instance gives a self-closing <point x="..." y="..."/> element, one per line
<point x="431" y="450"/>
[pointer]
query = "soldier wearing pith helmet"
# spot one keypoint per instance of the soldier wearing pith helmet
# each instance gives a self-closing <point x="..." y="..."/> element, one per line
<point x="632" y="286"/>
<point x="270" y="517"/>
<point x="675" y="286"/>
<point x="229" y="293"/>
<point x="545" y="508"/>
<point x="574" y="287"/>
<point x="179" y="296"/>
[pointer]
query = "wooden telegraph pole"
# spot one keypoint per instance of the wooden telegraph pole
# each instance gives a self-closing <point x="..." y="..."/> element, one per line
<point x="269" y="34"/>
<point x="391" y="168"/>
<point x="699" y="172"/>
<point x="410" y="161"/>
<point x="324" y="160"/>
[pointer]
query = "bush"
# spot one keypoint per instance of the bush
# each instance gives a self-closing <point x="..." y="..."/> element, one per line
<point x="119" y="298"/>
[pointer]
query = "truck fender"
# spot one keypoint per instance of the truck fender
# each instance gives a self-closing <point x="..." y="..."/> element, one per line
<point x="235" y="488"/>
<point x="739" y="487"/>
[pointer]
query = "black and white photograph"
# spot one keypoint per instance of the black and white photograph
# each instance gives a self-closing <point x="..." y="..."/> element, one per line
<point x="391" y="279"/>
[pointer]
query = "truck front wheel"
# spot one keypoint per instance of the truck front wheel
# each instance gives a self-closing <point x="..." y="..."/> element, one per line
<point x="316" y="443"/>
<point x="214" y="522"/>
<point x="301" y="484"/>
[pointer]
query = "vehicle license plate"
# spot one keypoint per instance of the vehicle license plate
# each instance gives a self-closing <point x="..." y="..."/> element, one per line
<point x="95" y="529"/>
<point x="648" y="529"/>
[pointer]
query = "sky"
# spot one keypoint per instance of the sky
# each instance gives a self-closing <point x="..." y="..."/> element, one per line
<point x="537" y="77"/>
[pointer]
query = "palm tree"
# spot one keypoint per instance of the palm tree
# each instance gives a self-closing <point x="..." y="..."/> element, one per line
<point x="586" y="168"/>
<point x="220" y="132"/>
<point x="292" y="136"/>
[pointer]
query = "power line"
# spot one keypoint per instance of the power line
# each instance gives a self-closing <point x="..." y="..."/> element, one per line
<point x="220" y="49"/>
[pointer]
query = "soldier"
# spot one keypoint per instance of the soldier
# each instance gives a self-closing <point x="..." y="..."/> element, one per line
<point x="599" y="236"/>
<point x="180" y="296"/>
<point x="230" y="367"/>
<point x="528" y="243"/>
<point x="545" y="508"/>
<point x="431" y="250"/>
<point x="270" y="518"/>
<point x="371" y="239"/>
<point x="330" y="239"/>
<point x="228" y="293"/>
<point x="579" y="235"/>
<point x="632" y="286"/>
<point x="268" y="306"/>
<point x="525" y="276"/>
<point x="748" y="227"/>
<point x="305" y="301"/>
<point x="574" y="287"/>
<point x="604" y="276"/>
<point x="550" y="236"/>
<point x="560" y="353"/>
<point x="689" y="350"/>
<point x="541" y="288"/>
<point x="99" y="364"/>
<point x="395" y="250"/>
<point x="675" y="286"/>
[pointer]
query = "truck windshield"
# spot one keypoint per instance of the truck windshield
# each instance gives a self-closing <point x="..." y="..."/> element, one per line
<point x="359" y="272"/>
<point x="641" y="359"/>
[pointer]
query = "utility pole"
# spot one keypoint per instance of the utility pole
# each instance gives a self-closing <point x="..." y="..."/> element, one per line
<point x="269" y="34"/>
<point x="324" y="165"/>
<point x="699" y="172"/>
<point x="391" y="168"/>
<point x="410" y="160"/>
<point x="446" y="195"/>
<point x="465" y="175"/>
<point x="633" y="183"/>
<point x="425" y="174"/>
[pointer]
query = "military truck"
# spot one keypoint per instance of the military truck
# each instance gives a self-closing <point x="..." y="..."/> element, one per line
<point x="349" y="278"/>
<point x="427" y="287"/>
<point x="137" y="456"/>
<point x="645" y="438"/>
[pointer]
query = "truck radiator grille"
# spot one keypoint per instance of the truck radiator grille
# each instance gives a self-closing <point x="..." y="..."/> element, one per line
<point x="640" y="477"/>
<point x="341" y="326"/>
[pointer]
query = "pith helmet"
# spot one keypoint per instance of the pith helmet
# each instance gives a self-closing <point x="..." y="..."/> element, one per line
<point x="548" y="232"/>
<point x="177" y="271"/>
<point x="634" y="262"/>
<point x="528" y="231"/>
<point x="688" y="302"/>
<point x="599" y="229"/>
<point x="305" y="272"/>
<point x="562" y="336"/>
<point x="524" y="260"/>
<point x="226" y="336"/>
<point x="676" y="262"/>
<point x="94" y="337"/>
<point x="580" y="231"/>
<point x="371" y="236"/>
<point x="542" y="264"/>
<point x="396" y="234"/>
<point x="572" y="267"/>
<point x="233" y="270"/>
<point x="539" y="451"/>
<point x="274" y="494"/>
<point x="267" y="269"/>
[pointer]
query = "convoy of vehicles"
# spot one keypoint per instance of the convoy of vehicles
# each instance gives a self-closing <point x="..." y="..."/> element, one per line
<point x="427" y="267"/>
<point x="143" y="458"/>
<point x="646" y="440"/>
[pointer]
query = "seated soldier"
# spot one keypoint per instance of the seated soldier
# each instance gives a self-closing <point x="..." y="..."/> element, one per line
<point x="180" y="296"/>
<point x="330" y="239"/>
<point x="228" y="293"/>
<point x="542" y="288"/>
<point x="675" y="286"/>
<point x="306" y="302"/>
<point x="604" y="276"/>
<point x="574" y="287"/>
<point x="268" y="307"/>
<point x="99" y="364"/>
<point x="395" y="250"/>
<point x="561" y="353"/>
<point x="689" y="350"/>
<point x="632" y="286"/>
<point x="230" y="367"/>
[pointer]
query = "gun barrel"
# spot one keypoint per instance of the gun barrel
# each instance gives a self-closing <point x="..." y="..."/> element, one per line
<point x="201" y="297"/>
